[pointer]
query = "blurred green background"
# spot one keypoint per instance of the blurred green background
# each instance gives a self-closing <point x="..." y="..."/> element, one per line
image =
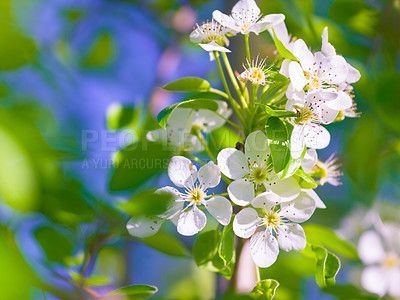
<point x="79" y="81"/>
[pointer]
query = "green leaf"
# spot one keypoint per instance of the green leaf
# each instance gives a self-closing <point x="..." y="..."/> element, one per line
<point x="119" y="116"/>
<point x="166" y="243"/>
<point x="226" y="249"/>
<point x="188" y="84"/>
<point x="282" y="49"/>
<point x="327" y="266"/>
<point x="137" y="163"/>
<point x="221" y="138"/>
<point x="292" y="166"/>
<point x="132" y="292"/>
<point x="322" y="236"/>
<point x="147" y="203"/>
<point x="101" y="53"/>
<point x="55" y="244"/>
<point x="305" y="180"/>
<point x="280" y="152"/>
<point x="349" y="292"/>
<point x="165" y="114"/>
<point x="205" y="247"/>
<point x="264" y="289"/>
<point x="278" y="112"/>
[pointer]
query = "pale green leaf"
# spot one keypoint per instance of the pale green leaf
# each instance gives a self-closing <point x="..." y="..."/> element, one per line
<point x="188" y="84"/>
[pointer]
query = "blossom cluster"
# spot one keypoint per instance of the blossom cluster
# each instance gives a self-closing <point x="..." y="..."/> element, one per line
<point x="269" y="204"/>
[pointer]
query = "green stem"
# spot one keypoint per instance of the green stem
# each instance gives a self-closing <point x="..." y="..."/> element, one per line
<point x="258" y="273"/>
<point x="223" y="194"/>
<point x="44" y="295"/>
<point x="218" y="92"/>
<point x="233" y="102"/>
<point x="228" y="121"/>
<point x="187" y="154"/>
<point x="203" y="142"/>
<point x="246" y="39"/>
<point x="233" y="79"/>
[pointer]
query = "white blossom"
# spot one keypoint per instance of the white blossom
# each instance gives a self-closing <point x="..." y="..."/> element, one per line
<point x="252" y="169"/>
<point x="246" y="17"/>
<point x="211" y="36"/>
<point x="328" y="171"/>
<point x="381" y="254"/>
<point x="255" y="71"/>
<point x="275" y="224"/>
<point x="182" y="123"/>
<point x="189" y="219"/>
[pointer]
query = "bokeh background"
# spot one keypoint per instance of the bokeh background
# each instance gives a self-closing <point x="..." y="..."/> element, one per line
<point x="68" y="66"/>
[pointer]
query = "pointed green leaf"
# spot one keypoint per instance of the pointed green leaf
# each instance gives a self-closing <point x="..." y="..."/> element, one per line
<point x="131" y="292"/>
<point x="188" y="84"/>
<point x="327" y="266"/>
<point x="166" y="243"/>
<point x="305" y="180"/>
<point x="147" y="203"/>
<point x="207" y="104"/>
<point x="205" y="247"/>
<point x="282" y="49"/>
<point x="277" y="112"/>
<point x="119" y="116"/>
<point x="226" y="249"/>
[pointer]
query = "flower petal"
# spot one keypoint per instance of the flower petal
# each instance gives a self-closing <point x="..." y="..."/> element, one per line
<point x="327" y="49"/>
<point x="291" y="236"/>
<point x="282" y="34"/>
<point x="303" y="54"/>
<point x="300" y="209"/>
<point x="316" y="136"/>
<point x="267" y="22"/>
<point x="232" y="163"/>
<point x="287" y="189"/>
<point x="209" y="175"/>
<point x="191" y="222"/>
<point x="246" y="222"/>
<point x="182" y="172"/>
<point x="296" y="74"/>
<point x="318" y="202"/>
<point x="375" y="280"/>
<point x="225" y="20"/>
<point x="310" y="159"/>
<point x="370" y="248"/>
<point x="297" y="141"/>
<point x="264" y="249"/>
<point x="213" y="46"/>
<point x="343" y="101"/>
<point x="256" y="147"/>
<point x="266" y="200"/>
<point x="243" y="7"/>
<point x="175" y="206"/>
<point x="394" y="286"/>
<point x="284" y="70"/>
<point x="220" y="208"/>
<point x="353" y="75"/>
<point x="241" y="192"/>
<point x="142" y="227"/>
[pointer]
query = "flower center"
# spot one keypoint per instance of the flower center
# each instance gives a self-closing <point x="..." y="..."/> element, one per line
<point x="305" y="115"/>
<point x="257" y="76"/>
<point x="391" y="261"/>
<point x="259" y="175"/>
<point x="196" y="195"/>
<point x="272" y="219"/>
<point x="315" y="83"/>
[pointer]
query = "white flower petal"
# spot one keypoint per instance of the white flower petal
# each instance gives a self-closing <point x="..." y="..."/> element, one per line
<point x="287" y="189"/>
<point x="316" y="136"/>
<point x="264" y="249"/>
<point x="191" y="222"/>
<point x="300" y="209"/>
<point x="225" y="20"/>
<point x="327" y="49"/>
<point x="297" y="96"/>
<point x="267" y="22"/>
<point x="343" y="101"/>
<point x="232" y="163"/>
<point x="282" y="34"/>
<point x="318" y="202"/>
<point x="209" y="175"/>
<point x="297" y="141"/>
<point x="142" y="227"/>
<point x="353" y="75"/>
<point x="246" y="7"/>
<point x="303" y="54"/>
<point x="256" y="147"/>
<point x="266" y="200"/>
<point x="296" y="74"/>
<point x="339" y="71"/>
<point x="310" y="159"/>
<point x="220" y="208"/>
<point x="213" y="46"/>
<point x="284" y="70"/>
<point x="291" y="236"/>
<point x="182" y="172"/>
<point x="375" y="280"/>
<point x="246" y="222"/>
<point x="241" y="192"/>
<point x="370" y="248"/>
<point x="175" y="206"/>
<point x="394" y="286"/>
